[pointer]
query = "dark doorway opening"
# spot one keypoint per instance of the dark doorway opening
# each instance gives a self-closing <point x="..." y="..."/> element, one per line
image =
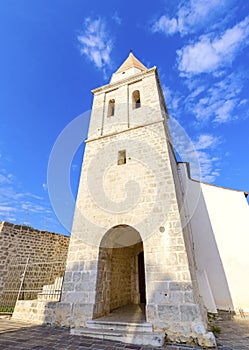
<point x="141" y="277"/>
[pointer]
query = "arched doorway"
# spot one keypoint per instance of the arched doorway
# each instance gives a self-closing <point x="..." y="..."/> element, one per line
<point x="121" y="272"/>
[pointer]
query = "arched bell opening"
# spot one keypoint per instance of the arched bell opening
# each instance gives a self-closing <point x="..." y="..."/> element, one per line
<point x="121" y="273"/>
<point x="111" y="108"/>
<point x="136" y="102"/>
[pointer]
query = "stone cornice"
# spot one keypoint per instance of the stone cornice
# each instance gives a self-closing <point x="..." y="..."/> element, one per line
<point x="133" y="79"/>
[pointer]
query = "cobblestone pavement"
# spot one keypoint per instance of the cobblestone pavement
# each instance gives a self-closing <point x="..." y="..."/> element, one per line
<point x="22" y="336"/>
<point x="234" y="334"/>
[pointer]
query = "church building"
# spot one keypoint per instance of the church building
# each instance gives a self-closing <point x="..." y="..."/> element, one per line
<point x="152" y="251"/>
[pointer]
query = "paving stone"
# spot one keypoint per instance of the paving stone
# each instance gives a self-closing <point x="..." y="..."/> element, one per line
<point x="16" y="336"/>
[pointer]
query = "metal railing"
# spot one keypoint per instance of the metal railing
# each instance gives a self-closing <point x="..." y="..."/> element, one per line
<point x="31" y="280"/>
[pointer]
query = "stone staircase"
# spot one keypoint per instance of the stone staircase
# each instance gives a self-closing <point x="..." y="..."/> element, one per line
<point x="140" y="333"/>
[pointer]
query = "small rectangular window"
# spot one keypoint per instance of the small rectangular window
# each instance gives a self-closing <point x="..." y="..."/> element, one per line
<point x="121" y="157"/>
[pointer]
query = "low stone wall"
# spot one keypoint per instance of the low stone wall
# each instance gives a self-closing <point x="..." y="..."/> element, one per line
<point x="35" y="311"/>
<point x="41" y="312"/>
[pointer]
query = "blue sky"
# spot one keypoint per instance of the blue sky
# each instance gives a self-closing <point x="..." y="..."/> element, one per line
<point x="53" y="52"/>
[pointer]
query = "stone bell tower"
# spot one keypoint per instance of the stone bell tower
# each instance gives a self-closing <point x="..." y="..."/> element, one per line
<point x="129" y="250"/>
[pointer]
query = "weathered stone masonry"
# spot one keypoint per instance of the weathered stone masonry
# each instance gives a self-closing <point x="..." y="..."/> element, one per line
<point x="17" y="243"/>
<point x="141" y="196"/>
<point x="129" y="242"/>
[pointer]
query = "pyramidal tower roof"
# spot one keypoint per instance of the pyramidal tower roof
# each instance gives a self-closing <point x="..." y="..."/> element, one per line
<point x="129" y="67"/>
<point x="131" y="62"/>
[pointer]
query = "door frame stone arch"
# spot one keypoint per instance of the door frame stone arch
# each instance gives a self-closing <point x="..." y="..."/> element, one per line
<point x="117" y="282"/>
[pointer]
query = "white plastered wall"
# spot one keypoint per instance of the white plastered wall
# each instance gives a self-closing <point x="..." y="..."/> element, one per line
<point x="219" y="221"/>
<point x="229" y="214"/>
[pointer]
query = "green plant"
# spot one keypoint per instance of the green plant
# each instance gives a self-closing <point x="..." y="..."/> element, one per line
<point x="215" y="329"/>
<point x="8" y="309"/>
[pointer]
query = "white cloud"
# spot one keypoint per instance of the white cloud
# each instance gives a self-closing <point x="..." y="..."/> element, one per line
<point x="197" y="91"/>
<point x="218" y="103"/>
<point x="205" y="141"/>
<point x="5" y="208"/>
<point x="166" y="25"/>
<point x="10" y="219"/>
<point x="199" y="152"/>
<point x="204" y="146"/>
<point x="32" y="207"/>
<point x="3" y="179"/>
<point x="172" y="99"/>
<point x="243" y="102"/>
<point x="17" y="205"/>
<point x="116" y="18"/>
<point x="45" y="187"/>
<point x="191" y="15"/>
<point x="95" y="42"/>
<point x="208" y="166"/>
<point x="224" y="112"/>
<point x="217" y="100"/>
<point x="211" y="53"/>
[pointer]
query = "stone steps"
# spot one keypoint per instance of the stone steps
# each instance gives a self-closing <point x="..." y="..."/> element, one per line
<point x="123" y="326"/>
<point x="132" y="337"/>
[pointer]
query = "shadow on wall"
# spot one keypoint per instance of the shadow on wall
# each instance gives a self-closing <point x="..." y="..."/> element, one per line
<point x="211" y="276"/>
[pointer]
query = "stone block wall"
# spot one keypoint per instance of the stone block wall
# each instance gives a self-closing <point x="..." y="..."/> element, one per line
<point x="121" y="287"/>
<point x="35" y="311"/>
<point x="117" y="278"/>
<point x="47" y="254"/>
